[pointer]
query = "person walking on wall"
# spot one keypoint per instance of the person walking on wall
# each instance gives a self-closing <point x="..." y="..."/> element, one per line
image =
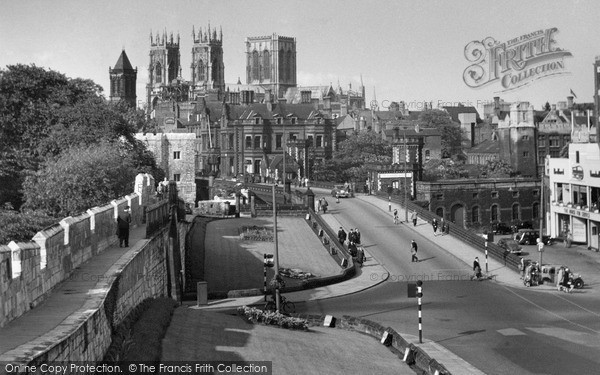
<point x="123" y="221"/>
<point x="414" y="216"/>
<point x="413" y="251"/>
<point x="342" y="236"/>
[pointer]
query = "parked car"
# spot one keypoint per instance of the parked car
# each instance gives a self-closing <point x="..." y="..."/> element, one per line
<point x="521" y="225"/>
<point x="549" y="274"/>
<point x="510" y="245"/>
<point x="529" y="237"/>
<point x="340" y="191"/>
<point x="500" y="228"/>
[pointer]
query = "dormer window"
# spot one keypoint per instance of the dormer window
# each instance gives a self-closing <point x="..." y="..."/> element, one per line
<point x="257" y="121"/>
<point x="293" y="120"/>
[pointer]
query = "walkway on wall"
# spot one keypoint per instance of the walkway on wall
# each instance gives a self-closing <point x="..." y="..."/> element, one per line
<point x="57" y="313"/>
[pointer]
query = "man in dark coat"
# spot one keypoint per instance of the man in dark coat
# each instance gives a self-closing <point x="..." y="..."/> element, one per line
<point x="342" y="235"/>
<point x="123" y="221"/>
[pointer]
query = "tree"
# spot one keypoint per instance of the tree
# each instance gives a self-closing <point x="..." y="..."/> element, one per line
<point x="547" y="107"/>
<point x="496" y="169"/>
<point x="450" y="131"/>
<point x="21" y="226"/>
<point x="80" y="178"/>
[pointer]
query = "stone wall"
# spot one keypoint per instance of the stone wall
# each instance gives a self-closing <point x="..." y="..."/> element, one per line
<point x="29" y="271"/>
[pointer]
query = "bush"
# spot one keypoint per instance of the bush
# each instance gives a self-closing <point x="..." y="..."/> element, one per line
<point x="272" y="318"/>
<point x="21" y="227"/>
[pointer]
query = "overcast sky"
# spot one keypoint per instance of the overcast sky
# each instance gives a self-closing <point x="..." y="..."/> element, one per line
<point x="405" y="50"/>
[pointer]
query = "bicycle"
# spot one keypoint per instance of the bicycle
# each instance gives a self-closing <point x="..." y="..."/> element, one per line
<point x="285" y="305"/>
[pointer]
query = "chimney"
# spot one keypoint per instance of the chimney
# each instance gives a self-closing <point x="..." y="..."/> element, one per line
<point x="570" y="102"/>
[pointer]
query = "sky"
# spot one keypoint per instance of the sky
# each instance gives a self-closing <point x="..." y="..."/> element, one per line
<point x="411" y="51"/>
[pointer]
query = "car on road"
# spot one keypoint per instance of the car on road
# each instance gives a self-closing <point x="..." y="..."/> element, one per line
<point x="521" y="225"/>
<point x="530" y="236"/>
<point x="340" y="191"/>
<point x="511" y="245"/>
<point x="549" y="274"/>
<point x="500" y="228"/>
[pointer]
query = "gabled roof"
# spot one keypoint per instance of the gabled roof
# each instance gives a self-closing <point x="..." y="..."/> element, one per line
<point x="123" y="63"/>
<point x="455" y="111"/>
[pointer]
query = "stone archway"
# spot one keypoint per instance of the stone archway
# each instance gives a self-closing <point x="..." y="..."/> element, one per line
<point x="457" y="214"/>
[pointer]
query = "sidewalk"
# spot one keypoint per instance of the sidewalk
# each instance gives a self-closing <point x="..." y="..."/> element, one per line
<point x="48" y="322"/>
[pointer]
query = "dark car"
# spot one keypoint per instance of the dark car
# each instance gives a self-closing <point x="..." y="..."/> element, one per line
<point x="549" y="275"/>
<point x="340" y="191"/>
<point x="521" y="225"/>
<point x="511" y="245"/>
<point x="500" y="228"/>
<point x="530" y="236"/>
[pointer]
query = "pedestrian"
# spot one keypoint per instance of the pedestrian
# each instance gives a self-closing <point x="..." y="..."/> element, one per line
<point x="324" y="205"/>
<point x="352" y="249"/>
<point x="413" y="251"/>
<point x="360" y="256"/>
<point x="477" y="268"/>
<point x="396" y="216"/>
<point x="357" y="235"/>
<point x="319" y="204"/>
<point x="413" y="216"/>
<point x="351" y="236"/>
<point x="342" y="236"/>
<point x="559" y="278"/>
<point x="569" y="239"/>
<point x="123" y="220"/>
<point x="522" y="267"/>
<point x="434" y="224"/>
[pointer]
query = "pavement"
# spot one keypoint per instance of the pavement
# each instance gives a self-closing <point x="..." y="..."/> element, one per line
<point x="48" y="321"/>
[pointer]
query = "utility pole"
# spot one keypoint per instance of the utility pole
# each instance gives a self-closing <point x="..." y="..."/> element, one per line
<point x="276" y="255"/>
<point x="405" y="178"/>
<point x="540" y="248"/>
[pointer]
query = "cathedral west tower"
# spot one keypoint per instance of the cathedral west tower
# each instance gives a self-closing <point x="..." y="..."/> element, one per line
<point x="207" y="68"/>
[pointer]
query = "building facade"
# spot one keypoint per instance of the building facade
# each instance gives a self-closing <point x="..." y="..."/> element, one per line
<point x="574" y="201"/>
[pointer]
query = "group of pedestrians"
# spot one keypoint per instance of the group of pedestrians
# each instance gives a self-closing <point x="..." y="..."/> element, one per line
<point x="442" y="227"/>
<point x="352" y="239"/>
<point x="322" y="205"/>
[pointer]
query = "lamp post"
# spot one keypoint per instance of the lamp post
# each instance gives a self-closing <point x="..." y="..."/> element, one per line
<point x="405" y="175"/>
<point x="276" y="255"/>
<point x="541" y="247"/>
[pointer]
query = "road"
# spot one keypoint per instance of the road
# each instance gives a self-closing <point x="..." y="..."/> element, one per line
<point x="498" y="329"/>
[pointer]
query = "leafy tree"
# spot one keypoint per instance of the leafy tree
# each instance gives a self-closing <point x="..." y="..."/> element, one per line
<point x="450" y="131"/>
<point x="21" y="226"/>
<point x="441" y="169"/>
<point x="80" y="178"/>
<point x="496" y="169"/>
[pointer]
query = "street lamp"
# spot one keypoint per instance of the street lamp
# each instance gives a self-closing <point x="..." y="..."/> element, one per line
<point x="405" y="175"/>
<point x="541" y="247"/>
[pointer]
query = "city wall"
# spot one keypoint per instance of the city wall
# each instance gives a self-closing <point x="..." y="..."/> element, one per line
<point x="30" y="271"/>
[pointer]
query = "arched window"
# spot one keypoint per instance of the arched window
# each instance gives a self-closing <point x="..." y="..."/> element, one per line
<point x="281" y="61"/>
<point x="201" y="71"/>
<point x="440" y="212"/>
<point x="515" y="211"/>
<point x="158" y="73"/>
<point x="536" y="210"/>
<point x="266" y="65"/>
<point x="475" y="214"/>
<point x="494" y="213"/>
<point x="255" y="66"/>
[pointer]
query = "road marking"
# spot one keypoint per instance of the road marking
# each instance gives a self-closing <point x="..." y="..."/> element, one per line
<point x="577" y="337"/>
<point x="573" y="303"/>
<point x="550" y="312"/>
<point x="510" y="332"/>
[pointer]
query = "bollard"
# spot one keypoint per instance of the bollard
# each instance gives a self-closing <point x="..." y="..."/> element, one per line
<point x="202" y="293"/>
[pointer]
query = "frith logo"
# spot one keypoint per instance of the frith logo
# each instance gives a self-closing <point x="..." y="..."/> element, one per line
<point x="515" y="63"/>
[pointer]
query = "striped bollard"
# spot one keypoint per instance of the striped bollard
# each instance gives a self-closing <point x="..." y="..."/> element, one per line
<point x="265" y="276"/>
<point x="486" y="257"/>
<point x="419" y="295"/>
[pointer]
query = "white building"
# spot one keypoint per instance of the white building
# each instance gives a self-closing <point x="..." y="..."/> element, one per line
<point x="574" y="185"/>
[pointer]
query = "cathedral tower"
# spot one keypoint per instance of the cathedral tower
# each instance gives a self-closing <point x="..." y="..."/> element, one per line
<point x="122" y="81"/>
<point x="164" y="67"/>
<point x="271" y="63"/>
<point x="207" y="68"/>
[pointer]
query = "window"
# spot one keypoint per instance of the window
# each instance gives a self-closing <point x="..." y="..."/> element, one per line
<point x="278" y="139"/>
<point x="177" y="177"/>
<point x="176" y="155"/>
<point x="319" y="141"/>
<point x="536" y="193"/>
<point x="576" y="156"/>
<point x="257" y="166"/>
<point x="255" y="75"/>
<point x="439" y="196"/>
<point x="554" y="141"/>
<point x="515" y="194"/>
<point x="257" y="139"/>
<point x="495" y="194"/>
<point x="515" y="211"/>
<point x="475" y="195"/>
<point x="525" y="154"/>
<point x="231" y="141"/>
<point x="201" y="75"/>
<point x="266" y="65"/>
<point x="293" y="120"/>
<point x="494" y="213"/>
<point x="475" y="214"/>
<point x="525" y="138"/>
<point x="536" y="210"/>
<point x="427" y="155"/>
<point x="248" y="141"/>
<point x="310" y="141"/>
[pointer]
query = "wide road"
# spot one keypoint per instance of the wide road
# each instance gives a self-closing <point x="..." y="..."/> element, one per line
<point x="498" y="329"/>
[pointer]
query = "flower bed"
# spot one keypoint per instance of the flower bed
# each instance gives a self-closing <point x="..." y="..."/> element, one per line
<point x="272" y="318"/>
<point x="255" y="233"/>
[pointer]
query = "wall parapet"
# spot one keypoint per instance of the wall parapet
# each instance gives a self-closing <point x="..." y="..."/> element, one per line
<point x="30" y="270"/>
